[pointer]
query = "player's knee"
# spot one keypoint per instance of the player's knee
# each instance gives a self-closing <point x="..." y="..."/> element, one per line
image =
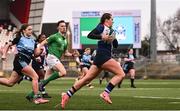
<point x="122" y="75"/>
<point x="63" y="73"/>
<point x="35" y="78"/>
<point x="10" y="84"/>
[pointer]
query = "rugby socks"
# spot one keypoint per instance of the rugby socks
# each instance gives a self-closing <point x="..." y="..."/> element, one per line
<point x="31" y="94"/>
<point x="71" y="91"/>
<point x="100" y="80"/>
<point x="43" y="90"/>
<point x="35" y="96"/>
<point x="132" y="82"/>
<point x="27" y="78"/>
<point x="54" y="76"/>
<point x="119" y="84"/>
<point x="109" y="88"/>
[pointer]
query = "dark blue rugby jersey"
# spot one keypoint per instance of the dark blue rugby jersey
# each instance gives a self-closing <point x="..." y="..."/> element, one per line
<point x="103" y="45"/>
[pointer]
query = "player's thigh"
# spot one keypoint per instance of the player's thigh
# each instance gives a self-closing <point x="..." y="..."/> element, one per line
<point x="60" y="68"/>
<point x="85" y="70"/>
<point x="92" y="72"/>
<point x="15" y="77"/>
<point x="29" y="71"/>
<point x="112" y="66"/>
<point x="40" y="73"/>
<point x="132" y="71"/>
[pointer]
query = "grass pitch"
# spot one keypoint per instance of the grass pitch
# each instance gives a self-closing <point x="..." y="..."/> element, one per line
<point x="149" y="95"/>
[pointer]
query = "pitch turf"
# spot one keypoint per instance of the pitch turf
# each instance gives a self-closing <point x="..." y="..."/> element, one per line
<point x="149" y="95"/>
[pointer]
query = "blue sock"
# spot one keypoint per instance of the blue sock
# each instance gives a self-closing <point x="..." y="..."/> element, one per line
<point x="109" y="88"/>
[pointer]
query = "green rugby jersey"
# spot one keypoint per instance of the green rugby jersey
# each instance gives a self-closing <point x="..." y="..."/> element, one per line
<point x="57" y="44"/>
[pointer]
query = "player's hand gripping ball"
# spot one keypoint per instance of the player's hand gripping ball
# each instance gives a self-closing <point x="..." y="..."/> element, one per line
<point x="112" y="36"/>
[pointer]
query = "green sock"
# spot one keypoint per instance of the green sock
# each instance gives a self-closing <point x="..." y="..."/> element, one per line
<point x="31" y="94"/>
<point x="54" y="76"/>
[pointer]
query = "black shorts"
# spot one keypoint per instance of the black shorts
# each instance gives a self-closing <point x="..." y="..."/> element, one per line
<point x="37" y="66"/>
<point x="101" y="57"/>
<point x="106" y="74"/>
<point x="128" y="66"/>
<point x="82" y="66"/>
<point x="20" y="61"/>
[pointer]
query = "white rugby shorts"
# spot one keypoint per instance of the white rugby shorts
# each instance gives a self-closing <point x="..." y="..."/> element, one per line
<point x="52" y="60"/>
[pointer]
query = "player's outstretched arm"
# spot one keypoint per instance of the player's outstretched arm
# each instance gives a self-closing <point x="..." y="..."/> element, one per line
<point x="5" y="50"/>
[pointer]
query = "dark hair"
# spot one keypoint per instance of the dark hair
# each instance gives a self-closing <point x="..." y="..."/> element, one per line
<point x="104" y="17"/>
<point x="130" y="49"/>
<point x="23" y="27"/>
<point x="61" y="21"/>
<point x="39" y="36"/>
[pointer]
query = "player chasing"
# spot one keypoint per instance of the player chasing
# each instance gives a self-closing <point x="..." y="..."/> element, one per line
<point x="57" y="46"/>
<point x="26" y="46"/>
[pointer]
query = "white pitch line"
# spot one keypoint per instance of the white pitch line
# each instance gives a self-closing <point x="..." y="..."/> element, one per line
<point x="155" y="97"/>
<point x="174" y="102"/>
